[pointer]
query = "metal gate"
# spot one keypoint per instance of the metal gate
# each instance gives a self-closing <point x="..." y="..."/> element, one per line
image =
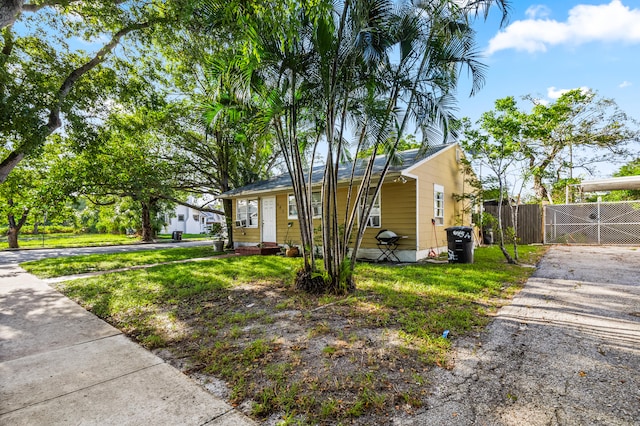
<point x="592" y="223"/>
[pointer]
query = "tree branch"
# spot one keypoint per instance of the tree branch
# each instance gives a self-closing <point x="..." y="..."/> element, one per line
<point x="9" y="163"/>
<point x="54" y="117"/>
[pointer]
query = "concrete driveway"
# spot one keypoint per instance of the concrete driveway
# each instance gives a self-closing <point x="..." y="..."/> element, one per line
<point x="566" y="351"/>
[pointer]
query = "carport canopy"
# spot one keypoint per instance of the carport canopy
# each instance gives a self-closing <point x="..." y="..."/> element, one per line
<point x="610" y="184"/>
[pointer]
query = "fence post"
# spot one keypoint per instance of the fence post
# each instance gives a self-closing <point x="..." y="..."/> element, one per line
<point x="543" y="206"/>
<point x="599" y="201"/>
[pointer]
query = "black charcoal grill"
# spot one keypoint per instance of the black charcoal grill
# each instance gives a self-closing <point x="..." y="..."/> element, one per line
<point x="387" y="243"/>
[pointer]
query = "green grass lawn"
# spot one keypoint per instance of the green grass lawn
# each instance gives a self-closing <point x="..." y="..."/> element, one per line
<point x="83" y="240"/>
<point x="68" y="240"/>
<point x="313" y="359"/>
<point x="56" y="267"/>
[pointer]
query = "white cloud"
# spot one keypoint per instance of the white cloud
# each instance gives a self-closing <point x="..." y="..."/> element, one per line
<point x="553" y="93"/>
<point x="613" y="22"/>
<point x="537" y="11"/>
<point x="625" y="84"/>
<point x="540" y="101"/>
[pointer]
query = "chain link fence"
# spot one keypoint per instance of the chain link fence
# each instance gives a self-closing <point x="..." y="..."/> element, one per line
<point x="592" y="223"/>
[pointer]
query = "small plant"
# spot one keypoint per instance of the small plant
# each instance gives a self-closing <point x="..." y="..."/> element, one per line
<point x="235" y="332"/>
<point x="329" y="350"/>
<point x="153" y="341"/>
<point x="329" y="408"/>
<point x="322" y="328"/>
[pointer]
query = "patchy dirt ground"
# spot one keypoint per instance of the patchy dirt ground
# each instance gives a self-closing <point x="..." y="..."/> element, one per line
<point x="365" y="372"/>
<point x="566" y="351"/>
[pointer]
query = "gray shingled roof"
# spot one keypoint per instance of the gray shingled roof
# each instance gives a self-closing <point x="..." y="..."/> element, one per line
<point x="283" y="181"/>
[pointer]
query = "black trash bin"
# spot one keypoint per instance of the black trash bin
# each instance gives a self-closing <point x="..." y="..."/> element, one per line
<point x="176" y="235"/>
<point x="460" y="244"/>
<point x="487" y="236"/>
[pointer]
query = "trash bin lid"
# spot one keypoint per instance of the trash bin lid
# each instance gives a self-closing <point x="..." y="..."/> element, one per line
<point x="463" y="232"/>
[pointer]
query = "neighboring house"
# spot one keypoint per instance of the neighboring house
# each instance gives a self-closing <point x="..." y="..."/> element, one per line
<point x="414" y="192"/>
<point x="189" y="220"/>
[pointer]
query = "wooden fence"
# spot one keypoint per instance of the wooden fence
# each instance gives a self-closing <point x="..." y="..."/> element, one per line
<point x="530" y="226"/>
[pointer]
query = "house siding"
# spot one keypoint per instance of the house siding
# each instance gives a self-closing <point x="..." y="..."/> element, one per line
<point x="398" y="209"/>
<point x="189" y="225"/>
<point x="445" y="170"/>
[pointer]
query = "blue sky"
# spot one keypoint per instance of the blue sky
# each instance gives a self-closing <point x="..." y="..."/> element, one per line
<point x="550" y="46"/>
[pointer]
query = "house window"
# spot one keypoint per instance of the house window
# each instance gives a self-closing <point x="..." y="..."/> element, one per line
<point x="374" y="217"/>
<point x="316" y="206"/>
<point x="247" y="213"/>
<point x="196" y="217"/>
<point x="438" y="204"/>
<point x="292" y="209"/>
<point x="180" y="218"/>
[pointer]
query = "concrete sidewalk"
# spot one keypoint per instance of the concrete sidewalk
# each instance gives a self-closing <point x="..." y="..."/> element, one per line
<point x="60" y="364"/>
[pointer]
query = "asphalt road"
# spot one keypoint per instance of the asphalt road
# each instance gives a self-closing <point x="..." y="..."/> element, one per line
<point x="18" y="256"/>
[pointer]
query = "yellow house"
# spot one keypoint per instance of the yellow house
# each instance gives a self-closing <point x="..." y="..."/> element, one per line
<point x="419" y="199"/>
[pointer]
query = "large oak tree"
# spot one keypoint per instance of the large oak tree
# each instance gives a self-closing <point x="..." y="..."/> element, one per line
<point x="59" y="67"/>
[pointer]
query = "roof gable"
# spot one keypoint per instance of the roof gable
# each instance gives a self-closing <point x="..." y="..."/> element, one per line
<point x="408" y="160"/>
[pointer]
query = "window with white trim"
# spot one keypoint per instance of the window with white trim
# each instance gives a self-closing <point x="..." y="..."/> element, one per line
<point x="247" y="213"/>
<point x="180" y="218"/>
<point x="375" y="219"/>
<point x="316" y="206"/>
<point x="438" y="204"/>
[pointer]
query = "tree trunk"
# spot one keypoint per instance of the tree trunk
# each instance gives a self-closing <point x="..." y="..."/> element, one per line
<point x="539" y="188"/>
<point x="503" y="249"/>
<point x="227" y="206"/>
<point x="514" y="220"/>
<point x="12" y="236"/>
<point x="147" y="229"/>
<point x="9" y="10"/>
<point x="14" y="227"/>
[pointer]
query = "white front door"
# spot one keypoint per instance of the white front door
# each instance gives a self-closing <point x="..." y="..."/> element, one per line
<point x="268" y="214"/>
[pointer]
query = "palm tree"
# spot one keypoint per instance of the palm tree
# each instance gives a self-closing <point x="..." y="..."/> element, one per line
<point x="387" y="66"/>
<point x="364" y="67"/>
